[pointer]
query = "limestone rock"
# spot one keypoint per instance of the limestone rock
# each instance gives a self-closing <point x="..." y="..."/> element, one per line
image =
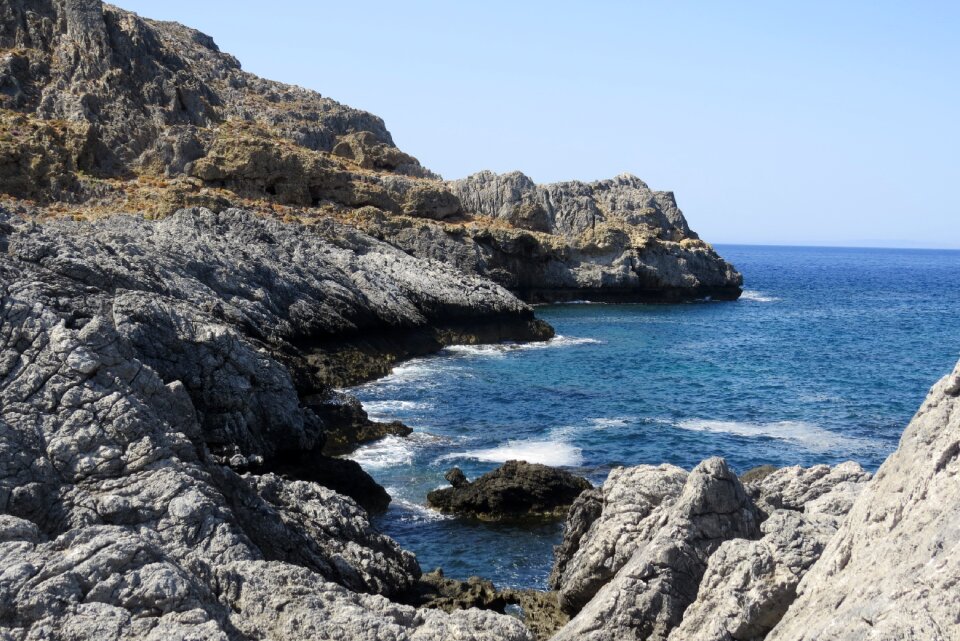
<point x="635" y="502"/>
<point x="516" y="489"/>
<point x="647" y="597"/>
<point x="797" y="488"/>
<point x="890" y="572"/>
<point x="119" y="524"/>
<point x="749" y="585"/>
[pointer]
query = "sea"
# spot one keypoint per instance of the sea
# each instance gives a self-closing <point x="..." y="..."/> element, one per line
<point x="824" y="359"/>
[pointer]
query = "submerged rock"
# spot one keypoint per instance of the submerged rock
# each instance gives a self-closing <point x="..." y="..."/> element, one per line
<point x="516" y="489"/>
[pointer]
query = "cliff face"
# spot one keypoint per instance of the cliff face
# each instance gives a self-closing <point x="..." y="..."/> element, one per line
<point x="103" y="111"/>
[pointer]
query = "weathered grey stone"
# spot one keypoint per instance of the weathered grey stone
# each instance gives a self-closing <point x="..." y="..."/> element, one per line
<point x="635" y="502"/>
<point x="891" y="570"/>
<point x="749" y="584"/>
<point x="118" y="524"/>
<point x="647" y="597"/>
<point x="796" y="488"/>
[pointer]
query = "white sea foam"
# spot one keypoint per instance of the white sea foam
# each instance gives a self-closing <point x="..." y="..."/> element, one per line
<point x="498" y="350"/>
<point x="414" y="511"/>
<point x="385" y="410"/>
<point x="392" y="451"/>
<point x="754" y="296"/>
<point x="556" y="453"/>
<point x="589" y="425"/>
<point x="805" y="434"/>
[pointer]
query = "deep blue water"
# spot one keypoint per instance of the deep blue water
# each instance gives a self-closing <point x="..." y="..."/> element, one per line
<point x="825" y="358"/>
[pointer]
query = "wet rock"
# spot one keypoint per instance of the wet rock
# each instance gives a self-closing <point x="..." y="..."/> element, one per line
<point x="514" y="490"/>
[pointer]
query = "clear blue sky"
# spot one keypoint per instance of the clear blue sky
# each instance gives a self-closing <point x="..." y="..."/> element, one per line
<point x="774" y="122"/>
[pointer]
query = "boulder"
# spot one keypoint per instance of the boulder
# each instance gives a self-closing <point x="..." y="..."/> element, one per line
<point x="632" y="508"/>
<point x="516" y="489"/>
<point x="648" y="596"/>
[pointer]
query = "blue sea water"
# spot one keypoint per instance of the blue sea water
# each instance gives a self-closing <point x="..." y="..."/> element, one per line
<point x="825" y="358"/>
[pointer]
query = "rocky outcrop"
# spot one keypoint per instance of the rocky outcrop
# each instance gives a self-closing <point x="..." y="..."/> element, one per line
<point x="633" y="504"/>
<point x="112" y="112"/>
<point x="257" y="318"/>
<point x="660" y="553"/>
<point x="648" y="596"/>
<point x="749" y="585"/>
<point x="137" y="378"/>
<point x="890" y="572"/>
<point x="613" y="240"/>
<point x="516" y="489"/>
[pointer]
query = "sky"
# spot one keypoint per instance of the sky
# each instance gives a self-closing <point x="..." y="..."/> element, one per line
<point x="834" y="123"/>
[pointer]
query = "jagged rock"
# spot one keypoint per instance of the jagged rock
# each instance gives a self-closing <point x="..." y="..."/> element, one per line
<point x="539" y="611"/>
<point x="585" y="510"/>
<point x="118" y="523"/>
<point x="437" y="591"/>
<point x="890" y="572"/>
<point x="247" y="314"/>
<point x="113" y="112"/>
<point x="749" y="585"/>
<point x="796" y="488"/>
<point x="516" y="489"/>
<point x="634" y="503"/>
<point x="278" y="602"/>
<point x="647" y="597"/>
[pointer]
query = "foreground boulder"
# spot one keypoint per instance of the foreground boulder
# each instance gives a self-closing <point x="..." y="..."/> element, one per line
<point x="891" y="571"/>
<point x="647" y="597"/>
<point x="658" y="553"/>
<point x="516" y="489"/>
<point x="630" y="509"/>
<point x="750" y="584"/>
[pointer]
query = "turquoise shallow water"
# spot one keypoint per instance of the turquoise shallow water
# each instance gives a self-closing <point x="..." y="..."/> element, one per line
<point x="824" y="359"/>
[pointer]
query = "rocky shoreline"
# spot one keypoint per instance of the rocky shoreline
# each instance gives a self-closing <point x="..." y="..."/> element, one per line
<point x="169" y="412"/>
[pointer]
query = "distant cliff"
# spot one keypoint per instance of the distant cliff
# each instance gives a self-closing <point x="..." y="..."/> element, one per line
<point x="102" y="111"/>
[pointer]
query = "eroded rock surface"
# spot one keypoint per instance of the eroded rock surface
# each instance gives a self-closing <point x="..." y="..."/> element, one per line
<point x="647" y="597"/>
<point x="633" y="504"/>
<point x="891" y="570"/>
<point x="110" y="112"/>
<point x="118" y="521"/>
<point x="657" y="553"/>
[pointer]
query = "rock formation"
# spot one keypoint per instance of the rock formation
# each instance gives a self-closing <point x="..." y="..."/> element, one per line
<point x="516" y="489"/>
<point x="657" y="553"/>
<point x="891" y="570"/>
<point x="145" y="394"/>
<point x="632" y="504"/>
<point x="110" y="112"/>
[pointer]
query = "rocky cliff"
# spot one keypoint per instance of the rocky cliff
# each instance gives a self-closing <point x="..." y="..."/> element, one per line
<point x="103" y="111"/>
<point x="165" y="401"/>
